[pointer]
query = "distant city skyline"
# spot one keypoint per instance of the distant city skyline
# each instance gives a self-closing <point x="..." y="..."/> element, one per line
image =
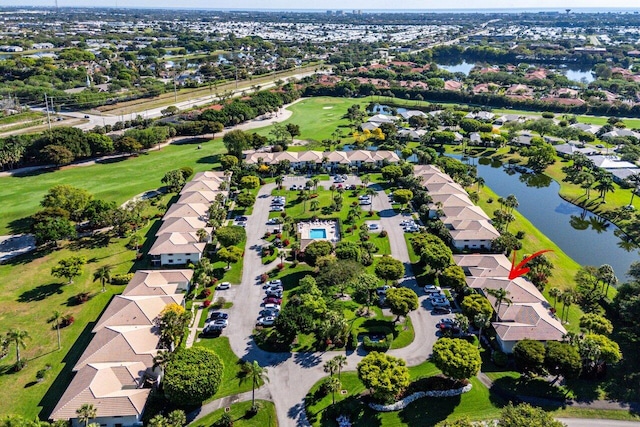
<point x="331" y="4"/>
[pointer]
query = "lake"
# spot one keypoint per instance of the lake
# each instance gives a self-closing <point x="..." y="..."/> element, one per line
<point x="580" y="76"/>
<point x="585" y="237"/>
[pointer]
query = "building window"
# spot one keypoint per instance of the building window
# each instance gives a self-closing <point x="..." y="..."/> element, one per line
<point x="170" y="261"/>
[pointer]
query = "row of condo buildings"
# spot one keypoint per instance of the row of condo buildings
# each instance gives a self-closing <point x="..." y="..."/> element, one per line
<point x="116" y="372"/>
<point x="331" y="159"/>
<point x="529" y="315"/>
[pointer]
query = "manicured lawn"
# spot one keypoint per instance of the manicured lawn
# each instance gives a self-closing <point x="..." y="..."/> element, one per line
<point x="30" y="295"/>
<point x="476" y="404"/>
<point x="318" y="118"/>
<point x="266" y="416"/>
<point x="116" y="181"/>
<point x="232" y="374"/>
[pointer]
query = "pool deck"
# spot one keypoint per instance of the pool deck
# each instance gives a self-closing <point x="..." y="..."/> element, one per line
<point x="330" y="228"/>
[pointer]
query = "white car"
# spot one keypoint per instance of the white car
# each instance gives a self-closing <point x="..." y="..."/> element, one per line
<point x="275" y="282"/>
<point x="432" y="289"/>
<point x="275" y="208"/>
<point x="373" y="227"/>
<point x="364" y="197"/>
<point x="223" y="286"/>
<point x="271" y="307"/>
<point x="266" y="321"/>
<point x="273" y="221"/>
<point x="407" y="222"/>
<point x="440" y="302"/>
<point x="365" y="202"/>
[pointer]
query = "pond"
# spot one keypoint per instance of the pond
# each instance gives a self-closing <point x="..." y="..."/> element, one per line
<point x="585" y="237"/>
<point x="579" y="75"/>
<point x="462" y="67"/>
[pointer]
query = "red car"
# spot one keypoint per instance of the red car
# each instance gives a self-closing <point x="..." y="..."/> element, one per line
<point x="272" y="300"/>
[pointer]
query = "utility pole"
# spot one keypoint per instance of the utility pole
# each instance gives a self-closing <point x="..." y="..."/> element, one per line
<point x="46" y="105"/>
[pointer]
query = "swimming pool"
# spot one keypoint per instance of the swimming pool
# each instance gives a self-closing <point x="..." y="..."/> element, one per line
<point x="317" y="233"/>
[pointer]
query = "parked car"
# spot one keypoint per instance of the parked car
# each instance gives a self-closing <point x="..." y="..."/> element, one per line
<point x="274" y="294"/>
<point x="278" y="203"/>
<point x="271" y="307"/>
<point x="266" y="321"/>
<point x="211" y="330"/>
<point x="350" y="187"/>
<point x="364" y="197"/>
<point x="273" y="221"/>
<point x="223" y="286"/>
<point x="448" y="327"/>
<point x="294" y="187"/>
<point x="338" y="179"/>
<point x="272" y="300"/>
<point x="432" y="289"/>
<point x="275" y="282"/>
<point x="269" y="313"/>
<point x="218" y="315"/>
<point x="441" y="310"/>
<point x="382" y="290"/>
<point x="274" y="289"/>
<point x="366" y="202"/>
<point x="241" y="218"/>
<point x="222" y="323"/>
<point x="447" y="321"/>
<point x="442" y="302"/>
<point x="411" y="229"/>
<point x="276" y="208"/>
<point x="373" y="227"/>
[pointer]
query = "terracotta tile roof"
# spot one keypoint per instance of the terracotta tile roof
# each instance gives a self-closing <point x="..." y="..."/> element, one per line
<point x="135" y="310"/>
<point x="182" y="225"/>
<point x="180" y="243"/>
<point x="158" y="282"/>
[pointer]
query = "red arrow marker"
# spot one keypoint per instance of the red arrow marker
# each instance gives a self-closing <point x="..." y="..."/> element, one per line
<point x="520" y="269"/>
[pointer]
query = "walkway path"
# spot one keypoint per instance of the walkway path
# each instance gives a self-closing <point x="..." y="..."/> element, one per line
<point x="293" y="374"/>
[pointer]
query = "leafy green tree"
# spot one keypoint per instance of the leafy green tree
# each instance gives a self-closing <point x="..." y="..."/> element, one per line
<point x="230" y="235"/>
<point x="525" y="415"/>
<point x="562" y="359"/>
<point x="454" y="277"/>
<point x="256" y="374"/>
<point x="598" y="350"/>
<point x="57" y="154"/>
<point x="386" y="376"/>
<point x="228" y="161"/>
<point x="402" y="196"/>
<point x="365" y="286"/>
<point x="437" y="256"/>
<point x="19" y="338"/>
<point x="103" y="274"/>
<point x="596" y="324"/>
<point x="157" y="421"/>
<point x="317" y="249"/>
<point x="389" y="268"/>
<point x="176" y="418"/>
<point x="250" y="182"/>
<point x="86" y="412"/>
<point x="53" y="229"/>
<point x="192" y="376"/>
<point x="456" y="358"/>
<point x="235" y="141"/>
<point x="391" y="173"/>
<point x="71" y="199"/>
<point x="401" y="301"/>
<point x="475" y="304"/>
<point x="245" y="199"/>
<point x="174" y="179"/>
<point x="69" y="268"/>
<point x="230" y="254"/>
<point x="172" y="322"/>
<point x="529" y="357"/>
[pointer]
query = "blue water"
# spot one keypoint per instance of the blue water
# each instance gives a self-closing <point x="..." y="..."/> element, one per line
<point x="585" y="237"/>
<point x="463" y="67"/>
<point x="579" y="76"/>
<point x="317" y="233"/>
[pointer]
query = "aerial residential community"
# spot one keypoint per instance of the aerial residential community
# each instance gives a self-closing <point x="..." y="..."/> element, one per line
<point x="300" y="217"/>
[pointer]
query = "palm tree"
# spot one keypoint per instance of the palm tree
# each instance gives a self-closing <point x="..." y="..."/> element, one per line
<point x="279" y="181"/>
<point x="334" y="384"/>
<point x="86" y="412"/>
<point x="18" y="337"/>
<point x="567" y="299"/>
<point x="315" y="180"/>
<point x="103" y="274"/>
<point x="202" y="235"/>
<point x="605" y="185"/>
<point x="56" y="318"/>
<point x="315" y="204"/>
<point x="555" y="293"/>
<point x="331" y="367"/>
<point x="371" y="193"/>
<point x="295" y="247"/>
<point x="332" y="189"/>
<point x="481" y="320"/>
<point x="366" y="179"/>
<point x="157" y="421"/>
<point x="635" y="181"/>
<point x="480" y="182"/>
<point x="462" y="321"/>
<point x="256" y="373"/>
<point x="304" y="197"/>
<point x="161" y="360"/>
<point x="341" y="362"/>
<point x="501" y="296"/>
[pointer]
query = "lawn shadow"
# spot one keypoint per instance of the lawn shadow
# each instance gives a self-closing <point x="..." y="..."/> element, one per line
<point x="212" y="159"/>
<point x="29" y="257"/>
<point x="99" y="240"/>
<point x="359" y="414"/>
<point x="429" y="411"/>
<point x="62" y="381"/>
<point x="20" y="225"/>
<point x="41" y="292"/>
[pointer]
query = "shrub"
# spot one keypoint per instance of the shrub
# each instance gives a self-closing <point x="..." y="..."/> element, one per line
<point x="187" y="171"/>
<point x="121" y="279"/>
<point x="490" y="200"/>
<point x="205" y="293"/>
<point x="192" y="376"/>
<point x="547" y="115"/>
<point x="41" y="374"/>
<point x="83" y="297"/>
<point x="286" y="242"/>
<point x="264" y="277"/>
<point x="206" y="303"/>
<point x="213" y="281"/>
<point x="67" y="320"/>
<point x="280" y="266"/>
<point x="500" y="358"/>
<point x="383" y="233"/>
<point x="220" y="302"/>
<point x="230" y="235"/>
<point x="381" y="346"/>
<point x="224" y="421"/>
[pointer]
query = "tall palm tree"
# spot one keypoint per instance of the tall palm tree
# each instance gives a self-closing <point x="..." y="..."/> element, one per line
<point x="314" y="205"/>
<point x="295" y="248"/>
<point x="202" y="235"/>
<point x="334" y="384"/>
<point x="635" y="182"/>
<point x="501" y="295"/>
<point x="279" y="180"/>
<point x="332" y="189"/>
<point x="371" y="193"/>
<point x="19" y="338"/>
<point x="103" y="274"/>
<point x="567" y="299"/>
<point x="56" y="318"/>
<point x="304" y="197"/>
<point x="315" y="180"/>
<point x="480" y="182"/>
<point x="161" y="360"/>
<point x="331" y="367"/>
<point x="555" y="293"/>
<point x="341" y="362"/>
<point x="86" y="412"/>
<point x="255" y="373"/>
<point x="481" y="320"/>
<point x="366" y="179"/>
<point x="605" y="185"/>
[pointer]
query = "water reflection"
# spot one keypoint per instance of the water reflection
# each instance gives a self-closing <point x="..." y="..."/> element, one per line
<point x="536" y="180"/>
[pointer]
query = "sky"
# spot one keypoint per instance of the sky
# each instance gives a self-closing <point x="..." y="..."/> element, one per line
<point x="333" y="4"/>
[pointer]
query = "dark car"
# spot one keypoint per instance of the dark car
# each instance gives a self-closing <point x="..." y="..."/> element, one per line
<point x="269" y="313"/>
<point x="273" y="300"/>
<point x="218" y="315"/>
<point x="274" y="294"/>
<point x="241" y="218"/>
<point x="211" y="330"/>
<point x="441" y="310"/>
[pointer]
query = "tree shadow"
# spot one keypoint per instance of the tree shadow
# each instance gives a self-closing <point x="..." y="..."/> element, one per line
<point x="99" y="240"/>
<point x="429" y="411"/>
<point x="355" y="409"/>
<point x="41" y="292"/>
<point x="307" y="360"/>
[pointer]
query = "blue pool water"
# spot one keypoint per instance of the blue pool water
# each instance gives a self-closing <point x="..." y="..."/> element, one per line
<point x="317" y="233"/>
